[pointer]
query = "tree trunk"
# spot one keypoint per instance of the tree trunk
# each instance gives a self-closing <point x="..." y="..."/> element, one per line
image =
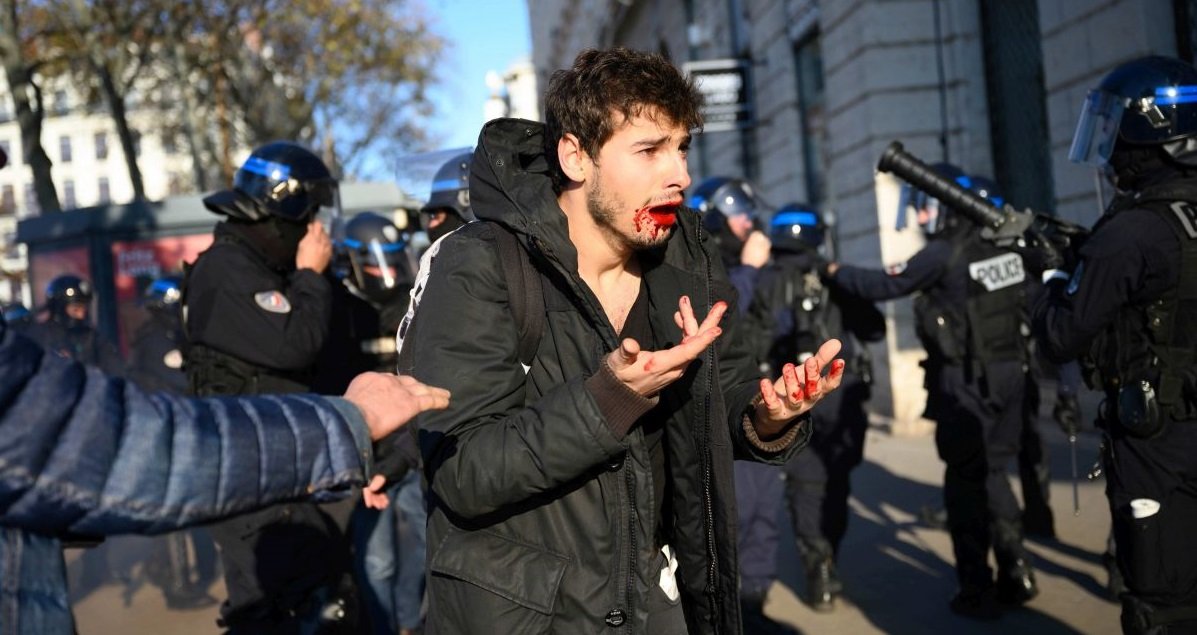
<point x="29" y="112"/>
<point x="192" y="124"/>
<point x="120" y="117"/>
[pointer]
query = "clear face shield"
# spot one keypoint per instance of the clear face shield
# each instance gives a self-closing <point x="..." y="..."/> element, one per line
<point x="925" y="209"/>
<point x="1097" y="128"/>
<point x="379" y="267"/>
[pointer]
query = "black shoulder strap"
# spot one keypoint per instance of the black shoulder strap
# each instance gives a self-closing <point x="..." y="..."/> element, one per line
<point x="524" y="291"/>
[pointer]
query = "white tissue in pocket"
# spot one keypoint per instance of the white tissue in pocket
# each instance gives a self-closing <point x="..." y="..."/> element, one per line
<point x="668" y="581"/>
<point x="1144" y="507"/>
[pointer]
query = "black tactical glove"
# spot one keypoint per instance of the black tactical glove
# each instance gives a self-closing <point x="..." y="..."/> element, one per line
<point x="1038" y="253"/>
<point x="1067" y="413"/>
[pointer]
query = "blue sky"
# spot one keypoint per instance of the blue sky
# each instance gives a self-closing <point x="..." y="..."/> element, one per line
<point x="482" y="35"/>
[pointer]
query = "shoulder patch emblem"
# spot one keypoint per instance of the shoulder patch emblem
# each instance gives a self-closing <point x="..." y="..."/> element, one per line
<point x="273" y="301"/>
<point x="1188" y="217"/>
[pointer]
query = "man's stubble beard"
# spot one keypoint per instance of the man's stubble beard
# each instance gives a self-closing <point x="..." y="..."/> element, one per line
<point x="605" y="215"/>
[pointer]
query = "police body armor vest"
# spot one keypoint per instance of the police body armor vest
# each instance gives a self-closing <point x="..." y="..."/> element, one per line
<point x="211" y="372"/>
<point x="1152" y="347"/>
<point x="992" y="324"/>
<point x="807" y="302"/>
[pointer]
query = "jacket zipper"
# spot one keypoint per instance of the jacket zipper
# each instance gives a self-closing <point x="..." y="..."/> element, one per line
<point x="708" y="505"/>
<point x="631" y="589"/>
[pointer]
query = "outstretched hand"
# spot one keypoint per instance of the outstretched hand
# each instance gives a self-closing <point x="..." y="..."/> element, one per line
<point x="387" y="402"/>
<point x="795" y="393"/>
<point x="648" y="372"/>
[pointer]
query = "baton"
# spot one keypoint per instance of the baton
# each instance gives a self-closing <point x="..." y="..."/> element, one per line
<point x="1076" y="501"/>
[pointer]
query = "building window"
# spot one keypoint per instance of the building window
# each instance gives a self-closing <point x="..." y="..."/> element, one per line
<point x="5" y="109"/>
<point x="101" y="145"/>
<point x="7" y="148"/>
<point x="105" y="196"/>
<point x="8" y="200"/>
<point x="64" y="149"/>
<point x="62" y="104"/>
<point x="68" y="195"/>
<point x="31" y="206"/>
<point x="170" y="144"/>
<point x="808" y="65"/>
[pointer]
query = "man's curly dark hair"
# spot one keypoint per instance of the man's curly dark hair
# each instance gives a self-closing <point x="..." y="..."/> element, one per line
<point x="603" y="89"/>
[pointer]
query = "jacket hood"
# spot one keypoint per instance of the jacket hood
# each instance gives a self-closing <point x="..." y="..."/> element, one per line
<point x="510" y="182"/>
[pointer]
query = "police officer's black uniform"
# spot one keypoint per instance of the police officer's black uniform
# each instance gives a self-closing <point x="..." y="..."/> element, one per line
<point x="255" y="324"/>
<point x="791" y="314"/>
<point x="970" y="314"/>
<point x="1129" y="307"/>
<point x="371" y="288"/>
<point x="156" y="364"/>
<point x="70" y="337"/>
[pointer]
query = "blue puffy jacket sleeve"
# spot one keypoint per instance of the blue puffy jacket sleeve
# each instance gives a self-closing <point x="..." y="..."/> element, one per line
<point x="87" y="453"/>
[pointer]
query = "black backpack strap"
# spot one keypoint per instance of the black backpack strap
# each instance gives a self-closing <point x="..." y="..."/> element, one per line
<point x="523" y="290"/>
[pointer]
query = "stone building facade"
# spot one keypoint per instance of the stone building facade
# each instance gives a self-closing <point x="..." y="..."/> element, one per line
<point x="992" y="86"/>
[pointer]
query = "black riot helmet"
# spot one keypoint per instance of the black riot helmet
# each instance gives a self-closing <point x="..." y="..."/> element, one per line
<point x="378" y="265"/>
<point x="163" y="295"/>
<point x="451" y="188"/>
<point x="987" y="189"/>
<point x="66" y="289"/>
<point x="282" y="180"/>
<point x="797" y="227"/>
<point x="720" y="198"/>
<point x="1148" y="102"/>
<point x="450" y="193"/>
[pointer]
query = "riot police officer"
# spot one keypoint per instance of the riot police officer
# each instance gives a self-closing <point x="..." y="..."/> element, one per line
<point x="791" y="313"/>
<point x="67" y="329"/>
<point x="448" y="205"/>
<point x="257" y="313"/>
<point x="970" y="316"/>
<point x="1128" y="305"/>
<point x="731" y="211"/>
<point x="156" y="364"/>
<point x="370" y="293"/>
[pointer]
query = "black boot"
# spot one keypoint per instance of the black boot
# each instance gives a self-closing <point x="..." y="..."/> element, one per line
<point x="976" y="602"/>
<point x="1016" y="582"/>
<point x="1115" y="586"/>
<point x="823" y="585"/>
<point x="1015" y="577"/>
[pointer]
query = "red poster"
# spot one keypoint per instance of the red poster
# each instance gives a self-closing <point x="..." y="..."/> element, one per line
<point x="138" y="263"/>
<point x="45" y="266"/>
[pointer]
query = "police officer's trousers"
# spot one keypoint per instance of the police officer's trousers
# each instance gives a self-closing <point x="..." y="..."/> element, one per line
<point x="977" y="439"/>
<point x="1155" y="551"/>
<point x="818" y="479"/>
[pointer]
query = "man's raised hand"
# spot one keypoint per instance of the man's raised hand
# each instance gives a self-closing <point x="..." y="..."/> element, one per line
<point x="797" y="390"/>
<point x="647" y="372"/>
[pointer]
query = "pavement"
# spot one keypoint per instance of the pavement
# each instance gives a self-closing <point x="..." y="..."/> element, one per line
<point x="897" y="573"/>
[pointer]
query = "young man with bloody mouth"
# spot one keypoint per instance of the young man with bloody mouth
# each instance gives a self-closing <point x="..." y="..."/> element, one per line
<point x="593" y="490"/>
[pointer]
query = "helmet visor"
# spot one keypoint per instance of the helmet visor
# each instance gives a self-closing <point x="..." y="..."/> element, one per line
<point x="377" y="265"/>
<point x="1097" y="129"/>
<point x="286" y="196"/>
